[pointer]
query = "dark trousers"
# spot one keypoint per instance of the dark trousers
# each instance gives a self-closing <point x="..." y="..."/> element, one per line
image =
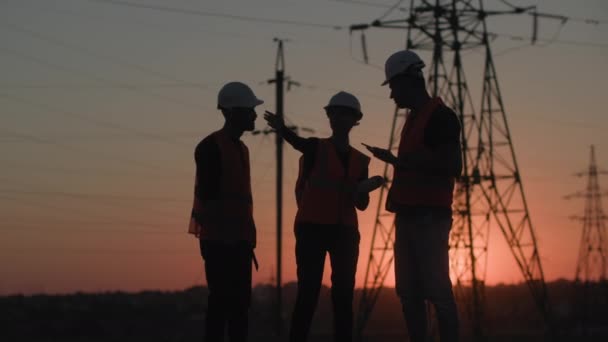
<point x="228" y="270"/>
<point x="312" y="243"/>
<point x="422" y="273"/>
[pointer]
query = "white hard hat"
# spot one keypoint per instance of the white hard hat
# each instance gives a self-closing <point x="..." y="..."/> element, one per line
<point x="401" y="62"/>
<point x="344" y="99"/>
<point x="237" y="95"/>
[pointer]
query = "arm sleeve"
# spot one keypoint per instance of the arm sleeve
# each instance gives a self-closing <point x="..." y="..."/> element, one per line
<point x="310" y="146"/>
<point x="443" y="128"/>
<point x="309" y="153"/>
<point x="442" y="137"/>
<point x="297" y="142"/>
<point x="208" y="170"/>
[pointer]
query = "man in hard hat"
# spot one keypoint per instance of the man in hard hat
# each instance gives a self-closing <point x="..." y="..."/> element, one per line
<point x="222" y="214"/>
<point x="426" y="167"/>
<point x="330" y="186"/>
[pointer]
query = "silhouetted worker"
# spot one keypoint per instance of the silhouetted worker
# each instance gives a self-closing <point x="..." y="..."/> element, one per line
<point x="327" y="191"/>
<point x="222" y="215"/>
<point x="428" y="162"/>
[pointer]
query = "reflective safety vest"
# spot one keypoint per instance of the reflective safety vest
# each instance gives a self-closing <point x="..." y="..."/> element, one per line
<point x="418" y="188"/>
<point x="326" y="196"/>
<point x="230" y="216"/>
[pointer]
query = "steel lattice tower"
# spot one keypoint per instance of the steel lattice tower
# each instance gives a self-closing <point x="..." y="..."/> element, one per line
<point x="490" y="192"/>
<point x="592" y="266"/>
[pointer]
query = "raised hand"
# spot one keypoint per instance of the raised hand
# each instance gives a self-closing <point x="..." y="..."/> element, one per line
<point x="274" y="121"/>
<point x="370" y="184"/>
<point x="382" y="154"/>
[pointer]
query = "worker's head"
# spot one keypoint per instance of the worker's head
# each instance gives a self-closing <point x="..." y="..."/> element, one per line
<point x="237" y="103"/>
<point x="343" y="111"/>
<point x="403" y="71"/>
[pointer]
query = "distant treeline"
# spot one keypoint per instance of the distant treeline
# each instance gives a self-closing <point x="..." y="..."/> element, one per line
<point x="509" y="313"/>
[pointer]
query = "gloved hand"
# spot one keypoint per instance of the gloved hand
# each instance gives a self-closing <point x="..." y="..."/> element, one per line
<point x="370" y="184"/>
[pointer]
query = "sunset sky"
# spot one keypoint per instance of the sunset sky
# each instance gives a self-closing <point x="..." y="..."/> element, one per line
<point x="102" y="104"/>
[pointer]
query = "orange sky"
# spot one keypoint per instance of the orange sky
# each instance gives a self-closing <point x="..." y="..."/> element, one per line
<point x="86" y="257"/>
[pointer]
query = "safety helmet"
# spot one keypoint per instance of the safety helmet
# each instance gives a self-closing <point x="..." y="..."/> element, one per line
<point x="237" y="95"/>
<point x="344" y="99"/>
<point x="400" y="62"/>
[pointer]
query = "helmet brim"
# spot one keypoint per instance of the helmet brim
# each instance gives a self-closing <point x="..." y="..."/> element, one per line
<point x="255" y="103"/>
<point x="359" y="114"/>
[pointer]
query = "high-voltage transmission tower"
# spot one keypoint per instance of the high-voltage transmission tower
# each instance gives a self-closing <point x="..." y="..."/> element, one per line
<point x="592" y="266"/>
<point x="490" y="193"/>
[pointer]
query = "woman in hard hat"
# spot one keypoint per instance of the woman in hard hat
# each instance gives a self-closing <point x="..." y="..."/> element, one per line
<point x="222" y="215"/>
<point x="327" y="194"/>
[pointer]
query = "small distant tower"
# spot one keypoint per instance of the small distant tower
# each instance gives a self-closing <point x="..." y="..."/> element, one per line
<point x="590" y="280"/>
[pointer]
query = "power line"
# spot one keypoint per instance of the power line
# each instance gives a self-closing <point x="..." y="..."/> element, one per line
<point x="84" y="195"/>
<point x="79" y="212"/>
<point x="122" y="201"/>
<point x="363" y="3"/>
<point x="114" y="137"/>
<point x="515" y="10"/>
<point x="105" y="124"/>
<point x="116" y="60"/>
<point x="81" y="73"/>
<point x="48" y="227"/>
<point x="316" y="87"/>
<point x="90" y="202"/>
<point x="589" y="21"/>
<point x="102" y="123"/>
<point x="96" y="87"/>
<point x="26" y="167"/>
<point x="557" y="41"/>
<point x="390" y="10"/>
<point x="114" y="199"/>
<point x="104" y="221"/>
<point x="87" y="250"/>
<point x="42" y="141"/>
<point x="161" y="28"/>
<point x="234" y="35"/>
<point x="134" y="204"/>
<point x="218" y="14"/>
<point x="555" y="16"/>
<point x="97" y="122"/>
<point x="480" y="201"/>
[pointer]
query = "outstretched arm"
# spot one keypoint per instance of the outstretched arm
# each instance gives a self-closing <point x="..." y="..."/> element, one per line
<point x="278" y="124"/>
<point x="442" y="153"/>
<point x="444" y="159"/>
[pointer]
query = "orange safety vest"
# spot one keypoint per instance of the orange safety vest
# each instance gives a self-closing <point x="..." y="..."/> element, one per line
<point x="412" y="188"/>
<point x="230" y="217"/>
<point x="326" y="196"/>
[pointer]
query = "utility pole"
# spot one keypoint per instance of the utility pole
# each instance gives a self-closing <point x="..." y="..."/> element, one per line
<point x="279" y="82"/>
<point x="282" y="83"/>
<point x="591" y="282"/>
<point x="490" y="191"/>
<point x="279" y="87"/>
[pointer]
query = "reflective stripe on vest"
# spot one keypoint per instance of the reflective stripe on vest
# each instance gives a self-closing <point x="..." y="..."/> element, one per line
<point x="230" y="216"/>
<point x="418" y="188"/>
<point x="326" y="197"/>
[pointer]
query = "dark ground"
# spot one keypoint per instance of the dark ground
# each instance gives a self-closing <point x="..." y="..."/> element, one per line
<point x="510" y="315"/>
